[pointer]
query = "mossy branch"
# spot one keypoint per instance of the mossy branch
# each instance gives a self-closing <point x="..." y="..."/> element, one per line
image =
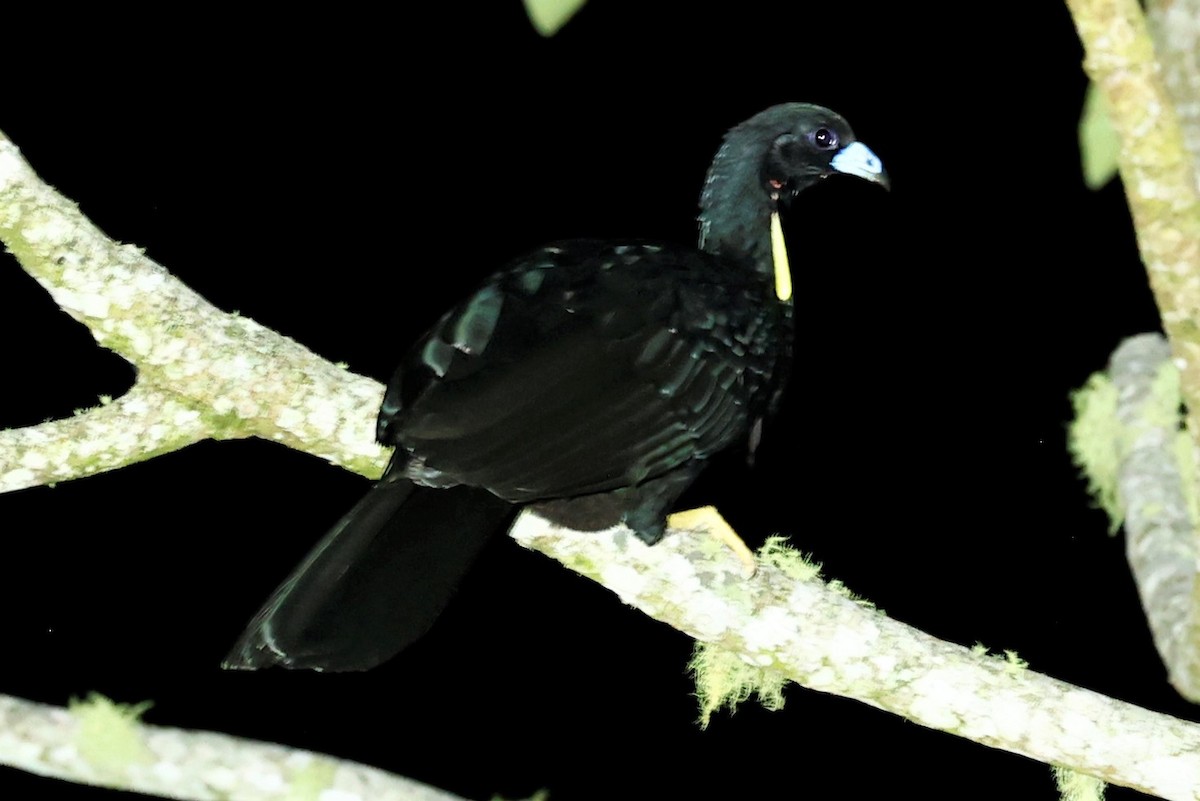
<point x="1156" y="169"/>
<point x="100" y="743"/>
<point x="816" y="634"/>
<point x="1152" y="91"/>
<point x="1141" y="467"/>
<point x="201" y="373"/>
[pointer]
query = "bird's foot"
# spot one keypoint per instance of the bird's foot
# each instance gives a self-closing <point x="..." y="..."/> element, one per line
<point x="709" y="520"/>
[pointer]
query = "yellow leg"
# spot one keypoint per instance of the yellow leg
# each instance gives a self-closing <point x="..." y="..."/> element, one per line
<point x="709" y="520"/>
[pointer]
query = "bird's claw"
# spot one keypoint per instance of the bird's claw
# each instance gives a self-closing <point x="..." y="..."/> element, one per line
<point x="710" y="521"/>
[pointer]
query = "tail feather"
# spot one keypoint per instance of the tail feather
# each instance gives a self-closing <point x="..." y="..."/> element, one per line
<point x="376" y="582"/>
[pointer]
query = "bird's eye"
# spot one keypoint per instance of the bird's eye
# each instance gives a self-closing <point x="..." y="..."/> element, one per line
<point x="824" y="138"/>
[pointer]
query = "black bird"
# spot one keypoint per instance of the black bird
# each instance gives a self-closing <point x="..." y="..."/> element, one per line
<point x="589" y="380"/>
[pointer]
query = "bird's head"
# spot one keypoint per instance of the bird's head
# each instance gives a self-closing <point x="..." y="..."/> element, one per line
<point x="779" y="152"/>
<point x="769" y="158"/>
<point x="805" y="143"/>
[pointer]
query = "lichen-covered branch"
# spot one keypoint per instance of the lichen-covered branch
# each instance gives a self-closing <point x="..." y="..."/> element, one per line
<point x="1175" y="26"/>
<point x="824" y="640"/>
<point x="142" y="423"/>
<point x="1159" y="529"/>
<point x="1156" y="169"/>
<point x="222" y="375"/>
<point x="1154" y="103"/>
<point x="98" y="743"/>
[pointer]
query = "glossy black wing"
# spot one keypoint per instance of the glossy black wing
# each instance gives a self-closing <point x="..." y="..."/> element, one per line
<point x="582" y="369"/>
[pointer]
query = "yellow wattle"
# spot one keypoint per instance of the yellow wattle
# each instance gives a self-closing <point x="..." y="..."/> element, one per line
<point x="783" y="272"/>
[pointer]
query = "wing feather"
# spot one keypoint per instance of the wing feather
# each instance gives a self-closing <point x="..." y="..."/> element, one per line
<point x="572" y="381"/>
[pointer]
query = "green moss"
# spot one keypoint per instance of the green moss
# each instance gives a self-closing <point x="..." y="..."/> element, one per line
<point x="1013" y="663"/>
<point x="777" y="553"/>
<point x="1092" y="439"/>
<point x="107" y="736"/>
<point x="222" y="425"/>
<point x="724" y="679"/>
<point x="583" y="565"/>
<point x="1076" y="786"/>
<point x="308" y="783"/>
<point x="1096" y="439"/>
<point x="841" y="589"/>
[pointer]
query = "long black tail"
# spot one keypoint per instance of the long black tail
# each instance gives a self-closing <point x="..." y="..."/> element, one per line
<point x="376" y="582"/>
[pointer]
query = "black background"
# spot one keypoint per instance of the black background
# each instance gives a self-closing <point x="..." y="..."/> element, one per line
<point x="344" y="177"/>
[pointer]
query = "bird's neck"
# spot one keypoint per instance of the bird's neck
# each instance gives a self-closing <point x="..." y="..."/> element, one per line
<point x="735" y="213"/>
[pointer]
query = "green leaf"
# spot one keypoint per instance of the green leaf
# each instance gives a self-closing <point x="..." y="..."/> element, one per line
<point x="1098" y="143"/>
<point x="548" y="16"/>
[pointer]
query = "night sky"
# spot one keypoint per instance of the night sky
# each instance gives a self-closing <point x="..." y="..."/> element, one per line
<point x="343" y="179"/>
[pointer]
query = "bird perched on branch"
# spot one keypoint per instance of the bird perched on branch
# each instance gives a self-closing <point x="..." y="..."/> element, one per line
<point x="588" y="380"/>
